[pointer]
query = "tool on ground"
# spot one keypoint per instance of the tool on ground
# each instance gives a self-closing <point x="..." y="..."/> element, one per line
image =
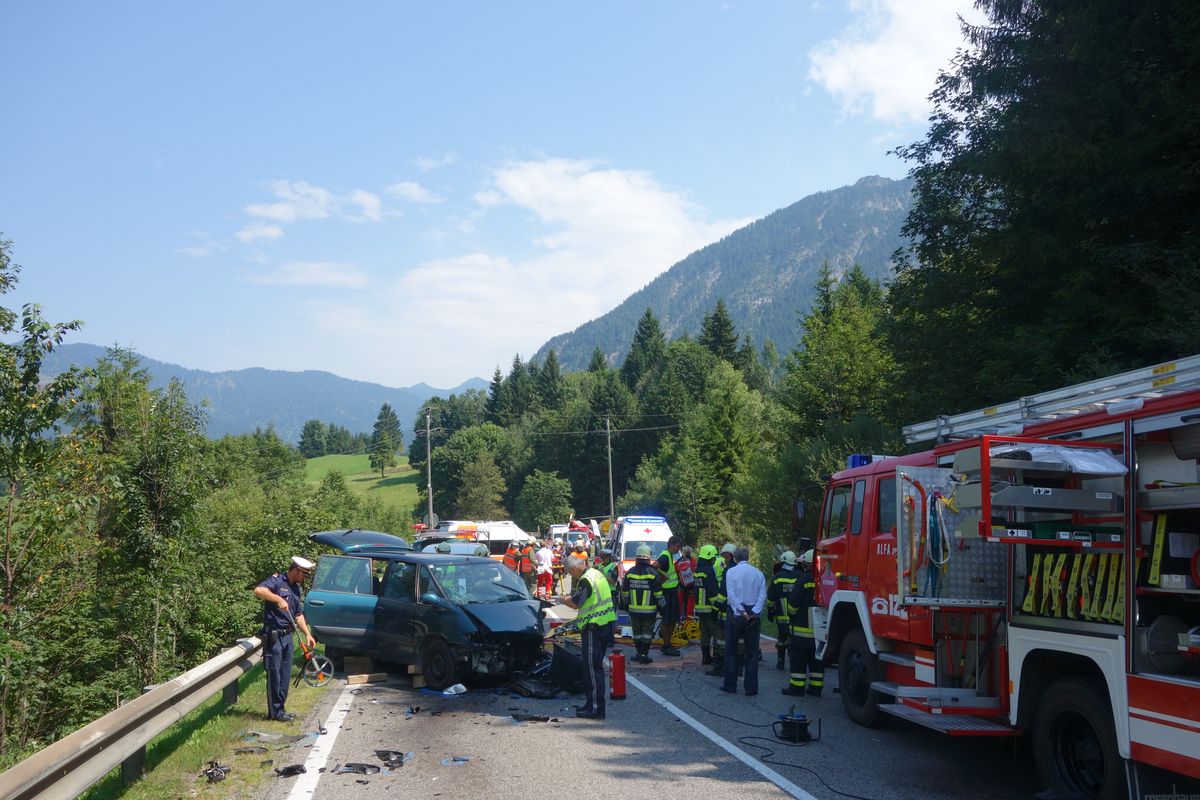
<point x="318" y="669"/>
<point x="794" y="727"/>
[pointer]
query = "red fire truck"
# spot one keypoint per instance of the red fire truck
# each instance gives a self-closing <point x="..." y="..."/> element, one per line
<point x="1037" y="571"/>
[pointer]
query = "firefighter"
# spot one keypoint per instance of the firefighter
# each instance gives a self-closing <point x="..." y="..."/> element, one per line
<point x="642" y="588"/>
<point x="670" y="588"/>
<point x="718" y="602"/>
<point x="807" y="675"/>
<point x="608" y="567"/>
<point x="777" y="595"/>
<point x="712" y="635"/>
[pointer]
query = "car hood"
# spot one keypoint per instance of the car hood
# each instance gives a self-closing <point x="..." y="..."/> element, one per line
<point x="519" y="616"/>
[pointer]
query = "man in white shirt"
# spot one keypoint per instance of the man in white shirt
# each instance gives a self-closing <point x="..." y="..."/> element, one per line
<point x="746" y="596"/>
<point x="544" y="559"/>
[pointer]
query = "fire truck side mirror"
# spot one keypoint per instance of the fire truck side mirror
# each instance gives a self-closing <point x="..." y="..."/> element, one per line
<point x="797" y="513"/>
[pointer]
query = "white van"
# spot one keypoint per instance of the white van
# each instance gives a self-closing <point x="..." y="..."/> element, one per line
<point x="631" y="532"/>
<point x="497" y="534"/>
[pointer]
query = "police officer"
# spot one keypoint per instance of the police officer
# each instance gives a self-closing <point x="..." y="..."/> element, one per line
<point x="808" y="674"/>
<point x="597" y="616"/>
<point x="282" y="604"/>
<point x="643" y="587"/>
<point x="712" y="632"/>
<point x="777" y="595"/>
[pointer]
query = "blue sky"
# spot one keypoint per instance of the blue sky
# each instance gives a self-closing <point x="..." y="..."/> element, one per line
<point x="403" y="192"/>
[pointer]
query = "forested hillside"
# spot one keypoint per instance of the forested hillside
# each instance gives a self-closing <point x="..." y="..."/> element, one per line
<point x="1053" y="239"/>
<point x="239" y="401"/>
<point x="764" y="272"/>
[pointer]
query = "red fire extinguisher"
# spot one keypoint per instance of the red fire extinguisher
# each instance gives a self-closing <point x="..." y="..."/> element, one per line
<point x="617" y="675"/>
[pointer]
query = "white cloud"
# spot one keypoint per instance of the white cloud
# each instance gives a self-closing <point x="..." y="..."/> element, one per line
<point x="259" y="230"/>
<point x="314" y="273"/>
<point x="427" y="164"/>
<point x="298" y="200"/>
<point x="600" y="235"/>
<point x="369" y="206"/>
<point x="488" y="198"/>
<point x="412" y="192"/>
<point x="885" y="63"/>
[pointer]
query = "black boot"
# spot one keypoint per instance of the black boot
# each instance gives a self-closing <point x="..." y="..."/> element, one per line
<point x="781" y="660"/>
<point x="705" y="655"/>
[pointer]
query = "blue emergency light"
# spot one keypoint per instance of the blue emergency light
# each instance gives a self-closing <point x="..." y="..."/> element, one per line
<point x="858" y="460"/>
<point x="645" y="520"/>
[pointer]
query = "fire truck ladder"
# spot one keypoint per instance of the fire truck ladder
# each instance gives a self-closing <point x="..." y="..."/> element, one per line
<point x="1119" y="393"/>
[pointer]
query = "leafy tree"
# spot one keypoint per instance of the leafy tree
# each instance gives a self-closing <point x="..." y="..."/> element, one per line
<point x="1053" y="228"/>
<point x="451" y="458"/>
<point x="383" y="452"/>
<point x="646" y="353"/>
<point x="844" y="367"/>
<point x="49" y="492"/>
<point x="447" y="415"/>
<point x="545" y="499"/>
<point x="482" y="490"/>
<point x="717" y="333"/>
<point x="313" y="439"/>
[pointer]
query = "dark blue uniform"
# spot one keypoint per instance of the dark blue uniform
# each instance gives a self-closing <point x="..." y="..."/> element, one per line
<point x="277" y="641"/>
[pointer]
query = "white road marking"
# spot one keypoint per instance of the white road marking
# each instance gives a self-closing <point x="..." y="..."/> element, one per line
<point x="741" y="755"/>
<point x="306" y="784"/>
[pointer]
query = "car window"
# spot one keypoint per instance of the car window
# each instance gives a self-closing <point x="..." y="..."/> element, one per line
<point x="856" y="510"/>
<point x="400" y="581"/>
<point x="476" y="582"/>
<point x="629" y="548"/>
<point x="343" y="574"/>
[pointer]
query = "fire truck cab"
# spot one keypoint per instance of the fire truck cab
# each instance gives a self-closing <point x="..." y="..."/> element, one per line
<point x="1037" y="570"/>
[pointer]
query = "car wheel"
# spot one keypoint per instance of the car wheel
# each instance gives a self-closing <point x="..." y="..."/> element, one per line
<point x="1075" y="741"/>
<point x="437" y="664"/>
<point x="335" y="655"/>
<point x="857" y="669"/>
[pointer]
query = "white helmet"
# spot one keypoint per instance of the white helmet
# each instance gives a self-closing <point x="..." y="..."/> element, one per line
<point x="788" y="557"/>
<point x="730" y="547"/>
<point x="806" y="558"/>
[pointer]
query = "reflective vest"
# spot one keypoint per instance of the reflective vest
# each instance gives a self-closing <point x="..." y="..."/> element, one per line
<point x="510" y="558"/>
<point x="718" y="599"/>
<point x="800" y="602"/>
<point x="671" y="577"/>
<point x="609" y="571"/>
<point x="704" y="569"/>
<point x="640" y="580"/>
<point x="525" y="561"/>
<point x="598" y="608"/>
<point x="781" y="587"/>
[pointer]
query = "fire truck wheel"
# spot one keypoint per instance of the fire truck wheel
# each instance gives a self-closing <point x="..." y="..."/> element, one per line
<point x="1075" y="743"/>
<point x="857" y="668"/>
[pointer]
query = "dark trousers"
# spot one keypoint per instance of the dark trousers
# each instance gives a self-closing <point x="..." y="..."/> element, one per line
<point x="807" y="672"/>
<point x="277" y="661"/>
<point x="739" y="630"/>
<point x="594" y="641"/>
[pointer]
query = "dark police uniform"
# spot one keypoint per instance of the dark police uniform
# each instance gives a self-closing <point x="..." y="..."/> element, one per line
<point x="277" y="641"/>
<point x="596" y="619"/>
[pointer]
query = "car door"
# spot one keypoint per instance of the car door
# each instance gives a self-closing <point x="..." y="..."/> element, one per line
<point x="395" y="613"/>
<point x="340" y="606"/>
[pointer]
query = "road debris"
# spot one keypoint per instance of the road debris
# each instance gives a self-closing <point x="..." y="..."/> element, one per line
<point x="357" y="768"/>
<point x="290" y="770"/>
<point x="455" y="761"/>
<point x="252" y="750"/>
<point x="215" y="772"/>
<point x="393" y="758"/>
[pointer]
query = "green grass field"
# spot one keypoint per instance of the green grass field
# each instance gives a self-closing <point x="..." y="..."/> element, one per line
<point x="397" y="488"/>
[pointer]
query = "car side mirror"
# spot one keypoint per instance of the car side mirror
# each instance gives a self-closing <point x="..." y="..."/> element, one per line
<point x="431" y="598"/>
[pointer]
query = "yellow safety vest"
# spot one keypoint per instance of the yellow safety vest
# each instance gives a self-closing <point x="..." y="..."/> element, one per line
<point x="703" y="602"/>
<point x="671" y="581"/>
<point x="641" y="579"/>
<point x="598" y="608"/>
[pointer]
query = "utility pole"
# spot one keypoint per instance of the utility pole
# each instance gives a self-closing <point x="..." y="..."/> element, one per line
<point x="608" y="431"/>
<point x="428" y="471"/>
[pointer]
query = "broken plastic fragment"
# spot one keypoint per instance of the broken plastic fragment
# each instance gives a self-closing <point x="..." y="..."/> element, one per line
<point x="357" y="768"/>
<point x="290" y="770"/>
<point x="455" y="761"/>
<point x="457" y="688"/>
<point x="255" y="749"/>
<point x="215" y="772"/>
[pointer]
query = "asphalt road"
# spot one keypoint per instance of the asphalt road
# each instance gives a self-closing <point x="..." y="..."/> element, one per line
<point x="675" y="735"/>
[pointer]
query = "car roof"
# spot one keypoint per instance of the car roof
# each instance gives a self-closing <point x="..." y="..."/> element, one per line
<point x="355" y="540"/>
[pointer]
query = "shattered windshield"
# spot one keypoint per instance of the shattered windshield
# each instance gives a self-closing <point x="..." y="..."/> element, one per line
<point x="479" y="582"/>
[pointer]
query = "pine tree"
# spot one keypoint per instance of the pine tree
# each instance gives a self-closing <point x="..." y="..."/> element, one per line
<point x="313" y="439"/>
<point x="598" y="362"/>
<point x="550" y="382"/>
<point x="718" y="334"/>
<point x="646" y="351"/>
<point x="385" y="439"/>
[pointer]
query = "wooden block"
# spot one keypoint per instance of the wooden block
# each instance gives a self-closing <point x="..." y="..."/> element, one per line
<point x="369" y="677"/>
<point x="358" y="665"/>
<point x="418" y="681"/>
<point x="415" y="669"/>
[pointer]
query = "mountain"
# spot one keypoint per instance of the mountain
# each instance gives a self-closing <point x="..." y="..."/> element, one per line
<point x="241" y="400"/>
<point x="766" y="272"/>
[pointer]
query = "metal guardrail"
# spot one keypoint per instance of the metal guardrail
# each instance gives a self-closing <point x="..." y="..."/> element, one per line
<point x="67" y="768"/>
